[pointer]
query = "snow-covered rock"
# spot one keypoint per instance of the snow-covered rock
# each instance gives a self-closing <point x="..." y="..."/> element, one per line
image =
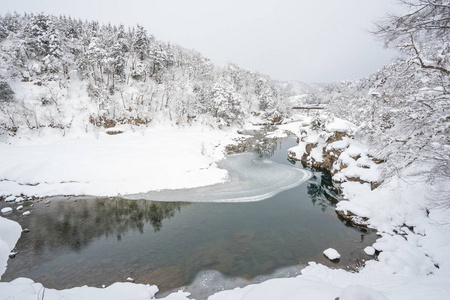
<point x="369" y="250"/>
<point x="10" y="199"/>
<point x="331" y="254"/>
<point x="6" y="210"/>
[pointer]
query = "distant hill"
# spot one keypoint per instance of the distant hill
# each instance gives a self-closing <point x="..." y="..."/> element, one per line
<point x="294" y="88"/>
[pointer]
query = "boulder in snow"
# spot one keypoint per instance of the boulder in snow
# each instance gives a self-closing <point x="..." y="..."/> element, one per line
<point x="331" y="254"/>
<point x="6" y="210"/>
<point x="10" y="199"/>
<point x="369" y="250"/>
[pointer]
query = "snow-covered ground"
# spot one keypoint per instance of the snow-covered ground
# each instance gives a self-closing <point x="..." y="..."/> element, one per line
<point x="100" y="164"/>
<point x="414" y="264"/>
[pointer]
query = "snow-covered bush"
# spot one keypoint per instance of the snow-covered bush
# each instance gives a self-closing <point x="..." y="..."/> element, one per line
<point x="319" y="122"/>
<point x="226" y="105"/>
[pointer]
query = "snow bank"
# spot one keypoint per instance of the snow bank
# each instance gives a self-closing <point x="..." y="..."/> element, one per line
<point x="26" y="289"/>
<point x="9" y="234"/>
<point x="341" y="126"/>
<point x="284" y="288"/>
<point x="110" y="165"/>
<point x="361" y="293"/>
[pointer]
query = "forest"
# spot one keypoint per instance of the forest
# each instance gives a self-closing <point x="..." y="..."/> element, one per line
<point x="59" y="72"/>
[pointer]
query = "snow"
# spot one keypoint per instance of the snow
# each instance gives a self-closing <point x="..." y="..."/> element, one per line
<point x="279" y="133"/>
<point x="285" y="288"/>
<point x="361" y="293"/>
<point x="10" y="199"/>
<point x="338" y="145"/>
<point x="331" y="254"/>
<point x="412" y="222"/>
<point x="341" y="125"/>
<point x="369" y="250"/>
<point x="363" y="168"/>
<point x="128" y="163"/>
<point x="9" y="234"/>
<point x="413" y="262"/>
<point x="298" y="150"/>
<point x="6" y="210"/>
<point x="26" y="289"/>
<point x="162" y="163"/>
<point x="250" y="178"/>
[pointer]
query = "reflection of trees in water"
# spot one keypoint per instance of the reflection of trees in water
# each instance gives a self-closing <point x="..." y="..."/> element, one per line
<point x="321" y="190"/>
<point x="76" y="224"/>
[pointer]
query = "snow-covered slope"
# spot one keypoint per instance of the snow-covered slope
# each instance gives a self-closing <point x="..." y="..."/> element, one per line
<point x="294" y="88"/>
<point x="62" y="73"/>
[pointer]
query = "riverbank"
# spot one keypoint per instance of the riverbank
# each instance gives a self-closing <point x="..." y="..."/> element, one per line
<point x="43" y="163"/>
<point x="412" y="262"/>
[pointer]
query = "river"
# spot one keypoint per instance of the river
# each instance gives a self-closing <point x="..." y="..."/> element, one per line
<point x="74" y="241"/>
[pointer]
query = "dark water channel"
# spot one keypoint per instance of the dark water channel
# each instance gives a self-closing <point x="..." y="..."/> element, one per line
<point x="91" y="241"/>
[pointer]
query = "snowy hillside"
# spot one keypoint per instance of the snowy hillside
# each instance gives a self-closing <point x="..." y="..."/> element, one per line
<point x="62" y="73"/>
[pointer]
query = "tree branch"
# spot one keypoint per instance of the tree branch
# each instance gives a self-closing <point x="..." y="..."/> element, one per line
<point x="421" y="61"/>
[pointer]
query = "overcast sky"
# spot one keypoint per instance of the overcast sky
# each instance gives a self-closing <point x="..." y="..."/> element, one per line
<point x="307" y="40"/>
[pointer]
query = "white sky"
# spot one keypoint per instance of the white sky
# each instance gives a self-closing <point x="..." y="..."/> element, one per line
<point x="307" y="40"/>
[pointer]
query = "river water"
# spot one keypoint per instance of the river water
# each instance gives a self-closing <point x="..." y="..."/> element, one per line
<point x="97" y="241"/>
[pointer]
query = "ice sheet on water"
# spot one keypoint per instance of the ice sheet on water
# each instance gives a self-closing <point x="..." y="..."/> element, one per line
<point x="250" y="178"/>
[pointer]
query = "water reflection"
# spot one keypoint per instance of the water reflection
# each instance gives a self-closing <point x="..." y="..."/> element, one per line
<point x="75" y="224"/>
<point x="321" y="190"/>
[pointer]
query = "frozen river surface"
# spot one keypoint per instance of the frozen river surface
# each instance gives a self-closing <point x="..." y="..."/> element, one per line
<point x="250" y="178"/>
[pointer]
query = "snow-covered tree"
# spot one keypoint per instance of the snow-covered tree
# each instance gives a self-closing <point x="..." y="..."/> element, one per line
<point x="118" y="75"/>
<point x="141" y="42"/>
<point x="423" y="33"/>
<point x="226" y="105"/>
<point x="41" y="37"/>
<point x="404" y="109"/>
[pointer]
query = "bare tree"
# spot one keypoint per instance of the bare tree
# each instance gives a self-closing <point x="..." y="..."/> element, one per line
<point x="411" y="33"/>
